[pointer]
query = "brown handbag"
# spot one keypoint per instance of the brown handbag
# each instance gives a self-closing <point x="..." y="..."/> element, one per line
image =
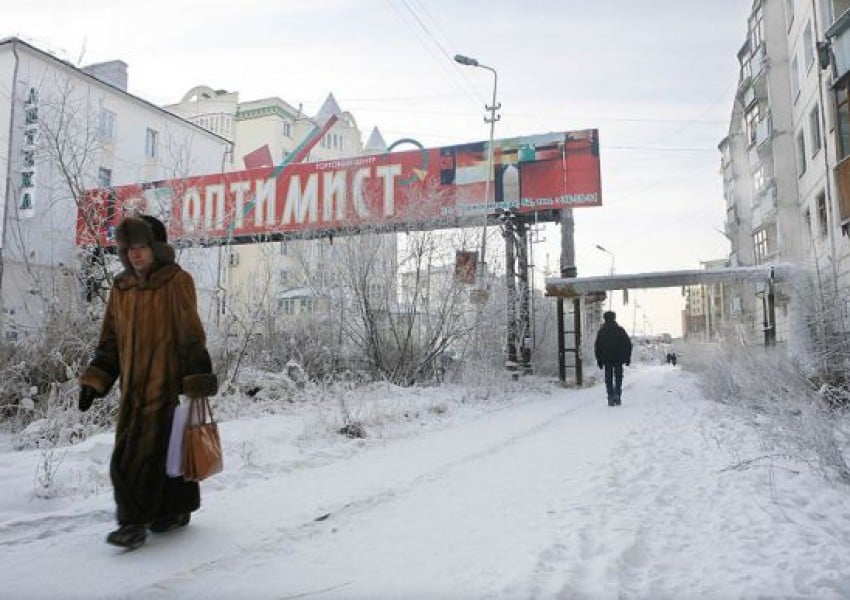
<point x="201" y="443"/>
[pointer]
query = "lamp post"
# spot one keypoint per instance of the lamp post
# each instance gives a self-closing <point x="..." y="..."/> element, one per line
<point x="611" y="254"/>
<point x="493" y="107"/>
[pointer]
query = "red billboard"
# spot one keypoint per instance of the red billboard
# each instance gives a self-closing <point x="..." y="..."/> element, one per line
<point x="411" y="189"/>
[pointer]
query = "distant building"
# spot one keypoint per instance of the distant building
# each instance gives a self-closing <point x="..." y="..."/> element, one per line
<point x="64" y="129"/>
<point x="290" y="277"/>
<point x="706" y="314"/>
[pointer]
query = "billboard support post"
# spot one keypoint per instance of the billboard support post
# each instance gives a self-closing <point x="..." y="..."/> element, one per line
<point x="568" y="269"/>
<point x="509" y="233"/>
<point x="525" y="317"/>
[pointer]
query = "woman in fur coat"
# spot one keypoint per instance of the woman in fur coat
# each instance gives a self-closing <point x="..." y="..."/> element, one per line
<point x="153" y="341"/>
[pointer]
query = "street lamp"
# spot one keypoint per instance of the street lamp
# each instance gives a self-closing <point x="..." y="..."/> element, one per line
<point x="611" y="254"/>
<point x="471" y="62"/>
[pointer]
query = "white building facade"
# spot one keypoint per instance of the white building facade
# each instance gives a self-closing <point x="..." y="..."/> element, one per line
<point x="785" y="155"/>
<point x="64" y="129"/>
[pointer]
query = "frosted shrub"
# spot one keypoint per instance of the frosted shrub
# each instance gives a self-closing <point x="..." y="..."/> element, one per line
<point x="781" y="402"/>
<point x="33" y="367"/>
<point x="58" y="422"/>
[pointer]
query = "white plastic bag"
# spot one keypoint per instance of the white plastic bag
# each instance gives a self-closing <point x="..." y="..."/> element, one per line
<point x="174" y="458"/>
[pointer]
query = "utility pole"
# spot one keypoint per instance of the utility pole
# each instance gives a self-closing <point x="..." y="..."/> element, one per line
<point x="491" y="108"/>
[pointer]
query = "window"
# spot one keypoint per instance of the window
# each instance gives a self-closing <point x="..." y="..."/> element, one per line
<point x="308" y="305"/>
<point x="763" y="242"/>
<point x="29" y="137"/>
<point x="795" y="80"/>
<point x="333" y="140"/>
<point x="283" y="247"/>
<point x="104" y="177"/>
<point x="814" y="128"/>
<point x="151" y="136"/>
<point x="731" y="218"/>
<point x="287" y="129"/>
<point x="842" y="117"/>
<point x="758" y="179"/>
<point x="29" y="158"/>
<point x="27" y="179"/>
<point x="756" y="23"/>
<point x="106" y="130"/>
<point x="801" y="154"/>
<point x="287" y="306"/>
<point x="283" y="278"/>
<point x="823" y="225"/>
<point x="808" y="47"/>
<point x="751" y="119"/>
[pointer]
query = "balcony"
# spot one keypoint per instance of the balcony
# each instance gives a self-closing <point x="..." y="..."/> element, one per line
<point x="768" y="198"/>
<point x="764" y="130"/>
<point x="748" y="97"/>
<point x="764" y="208"/>
<point x="839" y="37"/>
<point x="752" y="65"/>
<point x="842" y="176"/>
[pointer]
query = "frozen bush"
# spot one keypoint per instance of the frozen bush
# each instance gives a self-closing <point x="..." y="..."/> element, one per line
<point x="784" y="406"/>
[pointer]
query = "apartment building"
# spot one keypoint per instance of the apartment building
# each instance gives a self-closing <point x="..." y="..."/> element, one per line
<point x="783" y="160"/>
<point x="64" y="129"/>
<point x="708" y="309"/>
<point x="831" y="219"/>
<point x="292" y="277"/>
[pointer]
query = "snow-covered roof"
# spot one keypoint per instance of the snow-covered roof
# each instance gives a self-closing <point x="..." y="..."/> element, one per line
<point x="299" y="292"/>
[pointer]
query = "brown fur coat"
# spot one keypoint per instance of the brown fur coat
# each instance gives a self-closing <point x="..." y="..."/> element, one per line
<point x="153" y="341"/>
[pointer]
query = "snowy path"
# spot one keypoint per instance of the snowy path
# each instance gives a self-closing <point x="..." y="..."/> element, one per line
<point x="554" y="497"/>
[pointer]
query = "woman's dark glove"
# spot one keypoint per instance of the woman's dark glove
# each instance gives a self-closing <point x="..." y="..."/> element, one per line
<point x="87" y="396"/>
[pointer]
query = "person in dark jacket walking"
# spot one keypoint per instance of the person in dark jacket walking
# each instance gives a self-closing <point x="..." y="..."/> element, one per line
<point x="151" y="341"/>
<point x="613" y="349"/>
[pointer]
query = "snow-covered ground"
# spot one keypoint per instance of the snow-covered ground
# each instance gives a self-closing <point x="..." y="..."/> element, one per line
<point x="547" y="493"/>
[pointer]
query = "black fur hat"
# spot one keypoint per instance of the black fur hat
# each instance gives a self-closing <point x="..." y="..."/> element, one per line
<point x="146" y="230"/>
<point x="610" y="316"/>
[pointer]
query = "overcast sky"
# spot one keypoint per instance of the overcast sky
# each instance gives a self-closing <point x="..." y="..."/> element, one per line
<point x="656" y="78"/>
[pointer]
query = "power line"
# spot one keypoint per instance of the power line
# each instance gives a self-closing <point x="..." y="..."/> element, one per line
<point x="469" y="91"/>
<point x="658" y="149"/>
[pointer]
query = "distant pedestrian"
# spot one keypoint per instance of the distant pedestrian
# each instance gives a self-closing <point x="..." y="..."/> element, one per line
<point x="613" y="349"/>
<point x="151" y="341"/>
<point x="671" y="358"/>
